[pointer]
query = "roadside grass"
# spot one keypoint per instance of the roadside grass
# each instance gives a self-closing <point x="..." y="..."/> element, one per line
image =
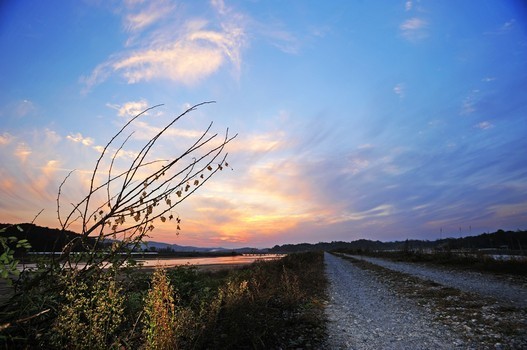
<point x="272" y="305"/>
<point x="484" y="322"/>
<point x="266" y="305"/>
<point x="463" y="261"/>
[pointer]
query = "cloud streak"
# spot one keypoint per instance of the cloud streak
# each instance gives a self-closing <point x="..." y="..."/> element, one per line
<point x="400" y="90"/>
<point x="185" y="52"/>
<point x="277" y="190"/>
<point x="414" y="29"/>
<point x="146" y="16"/>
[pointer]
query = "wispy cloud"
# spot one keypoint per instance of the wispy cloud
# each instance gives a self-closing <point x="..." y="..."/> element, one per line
<point x="23" y="151"/>
<point x="508" y="25"/>
<point x="31" y="181"/>
<point x="276" y="190"/>
<point x="184" y="51"/>
<point x="400" y="90"/>
<point x="129" y="109"/>
<point x="468" y="105"/>
<point x="145" y="130"/>
<point x="6" y="138"/>
<point x="414" y="29"/>
<point x="503" y="29"/>
<point x="77" y="137"/>
<point x="24" y="108"/>
<point x="258" y="143"/>
<point x="484" y="125"/>
<point x="379" y="211"/>
<point x="283" y="40"/>
<point x="146" y="16"/>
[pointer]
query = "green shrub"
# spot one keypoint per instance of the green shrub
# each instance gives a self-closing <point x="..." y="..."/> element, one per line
<point x="167" y="323"/>
<point x="91" y="313"/>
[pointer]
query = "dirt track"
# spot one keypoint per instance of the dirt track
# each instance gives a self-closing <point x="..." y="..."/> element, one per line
<point x="372" y="307"/>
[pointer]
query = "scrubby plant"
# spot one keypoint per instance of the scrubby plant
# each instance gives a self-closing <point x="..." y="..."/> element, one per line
<point x="257" y="311"/>
<point x="167" y="323"/>
<point x="160" y="315"/>
<point x="90" y="314"/>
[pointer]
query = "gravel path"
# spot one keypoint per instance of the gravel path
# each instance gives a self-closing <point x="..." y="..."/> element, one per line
<point x="364" y="314"/>
<point x="485" y="285"/>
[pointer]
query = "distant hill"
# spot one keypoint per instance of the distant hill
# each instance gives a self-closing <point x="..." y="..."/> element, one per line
<point x="48" y="239"/>
<point x="42" y="239"/>
<point x="45" y="239"/>
<point x="499" y="240"/>
<point x="159" y="246"/>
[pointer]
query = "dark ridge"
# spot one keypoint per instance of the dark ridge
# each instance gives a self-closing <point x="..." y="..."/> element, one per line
<point x="42" y="239"/>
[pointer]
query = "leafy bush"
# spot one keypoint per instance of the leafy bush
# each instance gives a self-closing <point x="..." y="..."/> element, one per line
<point x="8" y="263"/>
<point x="90" y="314"/>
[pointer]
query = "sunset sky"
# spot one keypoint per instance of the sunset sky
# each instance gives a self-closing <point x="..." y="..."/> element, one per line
<point x="382" y="120"/>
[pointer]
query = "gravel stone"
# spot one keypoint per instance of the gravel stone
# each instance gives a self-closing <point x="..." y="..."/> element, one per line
<point x="364" y="314"/>
<point x="473" y="282"/>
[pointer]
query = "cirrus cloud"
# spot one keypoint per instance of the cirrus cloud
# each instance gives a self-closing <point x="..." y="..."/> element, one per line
<point x="414" y="29"/>
<point x="86" y="141"/>
<point x="484" y="125"/>
<point x="185" y="52"/>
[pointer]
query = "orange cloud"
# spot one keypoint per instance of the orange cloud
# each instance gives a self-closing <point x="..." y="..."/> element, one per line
<point x="23" y="151"/>
<point x="269" y="194"/>
<point x="6" y="138"/>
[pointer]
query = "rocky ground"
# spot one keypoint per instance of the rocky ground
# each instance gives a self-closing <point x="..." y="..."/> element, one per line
<point x="376" y="307"/>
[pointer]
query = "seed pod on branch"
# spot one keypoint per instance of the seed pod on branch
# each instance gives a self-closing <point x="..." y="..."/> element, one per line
<point x="142" y="188"/>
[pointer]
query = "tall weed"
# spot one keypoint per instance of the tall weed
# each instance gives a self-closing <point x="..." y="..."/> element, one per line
<point x="91" y="313"/>
<point x="167" y="323"/>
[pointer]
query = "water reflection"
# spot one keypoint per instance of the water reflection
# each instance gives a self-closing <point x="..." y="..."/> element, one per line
<point x="171" y="262"/>
<point x="222" y="260"/>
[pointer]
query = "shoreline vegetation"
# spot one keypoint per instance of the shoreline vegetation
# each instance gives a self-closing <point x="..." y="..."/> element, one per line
<point x="263" y="305"/>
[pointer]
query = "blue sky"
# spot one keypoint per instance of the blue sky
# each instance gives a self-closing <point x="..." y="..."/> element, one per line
<point x="356" y="119"/>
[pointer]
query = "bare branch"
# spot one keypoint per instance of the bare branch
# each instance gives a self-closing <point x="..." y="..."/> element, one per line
<point x="131" y="211"/>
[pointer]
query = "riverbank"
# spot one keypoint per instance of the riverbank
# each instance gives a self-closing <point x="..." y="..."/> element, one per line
<point x="264" y="305"/>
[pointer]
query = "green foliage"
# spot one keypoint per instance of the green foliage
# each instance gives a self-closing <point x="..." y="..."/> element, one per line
<point x="265" y="305"/>
<point x="269" y="304"/>
<point x="167" y="323"/>
<point x="90" y="314"/>
<point x="159" y="311"/>
<point x="274" y="304"/>
<point x="8" y="263"/>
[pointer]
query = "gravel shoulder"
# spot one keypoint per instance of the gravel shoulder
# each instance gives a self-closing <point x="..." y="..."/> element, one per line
<point x="374" y="307"/>
<point x="363" y="313"/>
<point x="472" y="282"/>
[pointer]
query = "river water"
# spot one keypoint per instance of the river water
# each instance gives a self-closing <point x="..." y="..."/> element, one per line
<point x="222" y="260"/>
<point x="171" y="262"/>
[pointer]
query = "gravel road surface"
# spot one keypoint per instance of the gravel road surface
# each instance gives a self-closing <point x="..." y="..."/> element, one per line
<point x="473" y="282"/>
<point x="364" y="313"/>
